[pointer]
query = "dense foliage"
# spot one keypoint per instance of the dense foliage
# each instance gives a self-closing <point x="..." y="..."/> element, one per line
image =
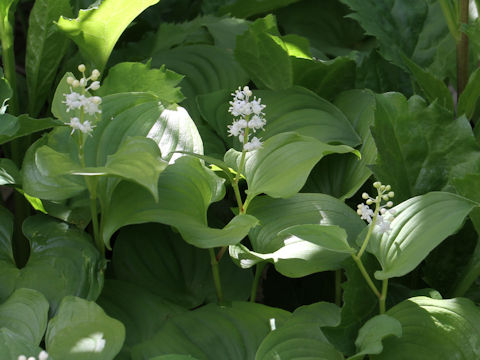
<point x="239" y="179"/>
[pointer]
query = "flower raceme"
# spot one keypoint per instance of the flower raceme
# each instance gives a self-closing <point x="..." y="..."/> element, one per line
<point x="78" y="99"/>
<point x="381" y="217"/>
<point x="250" y="116"/>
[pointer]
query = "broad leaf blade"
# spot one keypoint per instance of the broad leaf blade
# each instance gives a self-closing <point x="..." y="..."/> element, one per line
<point x="97" y="29"/>
<point x="82" y="330"/>
<point x="420" y="224"/>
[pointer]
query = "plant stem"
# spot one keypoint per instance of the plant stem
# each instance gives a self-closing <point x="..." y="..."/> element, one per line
<point x="258" y="274"/>
<point x="383" y="296"/>
<point x="370" y="230"/>
<point x="8" y="58"/>
<point x="367" y="277"/>
<point x="338" y="287"/>
<point x="220" y="253"/>
<point x="462" y="50"/>
<point x="216" y="276"/>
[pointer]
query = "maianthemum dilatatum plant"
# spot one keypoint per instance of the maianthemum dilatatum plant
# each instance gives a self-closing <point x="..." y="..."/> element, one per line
<point x="239" y="179"/>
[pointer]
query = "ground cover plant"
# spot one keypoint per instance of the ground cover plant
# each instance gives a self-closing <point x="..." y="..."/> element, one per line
<point x="239" y="179"/>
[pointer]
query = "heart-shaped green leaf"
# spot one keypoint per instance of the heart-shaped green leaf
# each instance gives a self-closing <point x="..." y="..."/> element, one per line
<point x="168" y="267"/>
<point x="186" y="189"/>
<point x="449" y="329"/>
<point x="236" y="331"/>
<point x="281" y="167"/>
<point x="301" y="335"/>
<point x="25" y="313"/>
<point x="370" y="336"/>
<point x="63" y="261"/>
<point x="81" y="330"/>
<point x="309" y="220"/>
<point x="97" y="29"/>
<point x="420" y="224"/>
<point x="343" y="174"/>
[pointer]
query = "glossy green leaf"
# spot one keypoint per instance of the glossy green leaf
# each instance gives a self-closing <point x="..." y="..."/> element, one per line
<point x="449" y="329"/>
<point x="343" y="174"/>
<point x="420" y="224"/>
<point x="433" y="87"/>
<point x="236" y="331"/>
<point x="12" y="345"/>
<point x="9" y="173"/>
<point x="25" y="313"/>
<point x="186" y="189"/>
<point x="264" y="55"/>
<point x="142" y="312"/>
<point x="168" y="267"/>
<point x="63" y="261"/>
<point x="311" y="216"/>
<point x="370" y="336"/>
<point x="124" y="163"/>
<point x="82" y="330"/>
<point x="301" y="336"/>
<point x="325" y="78"/>
<point x="12" y="127"/>
<point x="206" y="68"/>
<point x="420" y="148"/>
<point x="247" y="8"/>
<point x="468" y="98"/>
<point x="97" y="29"/>
<point x="46" y="46"/>
<point x="306" y="249"/>
<point x="266" y="168"/>
<point x="414" y="30"/>
<point x="325" y="25"/>
<point x="138" y="77"/>
<point x="5" y="90"/>
<point x="296" y="109"/>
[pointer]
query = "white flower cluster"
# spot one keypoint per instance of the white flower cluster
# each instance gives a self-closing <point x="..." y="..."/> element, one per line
<point x="42" y="356"/>
<point x="78" y="99"/>
<point x="250" y="117"/>
<point x="383" y="217"/>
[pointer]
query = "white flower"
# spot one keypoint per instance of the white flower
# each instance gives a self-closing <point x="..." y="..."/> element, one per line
<point x="73" y="100"/>
<point x="256" y="122"/>
<point x="365" y="212"/>
<point x="235" y="129"/>
<point x="75" y="124"/>
<point x="90" y="105"/>
<point x="253" y="144"/>
<point x="86" y="127"/>
<point x="257" y="108"/>
<point x="3" y="108"/>
<point x="383" y="224"/>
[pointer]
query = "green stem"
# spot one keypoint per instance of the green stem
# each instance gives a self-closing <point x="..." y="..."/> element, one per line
<point x="8" y="58"/>
<point x="462" y="50"/>
<point x="367" y="277"/>
<point x="338" y="287"/>
<point x="216" y="275"/>
<point x="383" y="296"/>
<point x="258" y="274"/>
<point x="370" y="230"/>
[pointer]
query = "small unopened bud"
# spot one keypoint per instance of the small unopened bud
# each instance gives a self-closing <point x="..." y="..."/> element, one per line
<point x="22" y="357"/>
<point x="377" y="184"/>
<point x="389" y="204"/>
<point x="383" y="211"/>
<point x="382" y="187"/>
<point x="95" y="74"/>
<point x="385" y="197"/>
<point x="359" y="211"/>
<point x="365" y="196"/>
<point x="391" y="194"/>
<point x="43" y="355"/>
<point x="97" y="99"/>
<point x="70" y="80"/>
<point x="81" y="68"/>
<point x="83" y="82"/>
<point x="31" y="358"/>
<point x="387" y="188"/>
<point x="75" y="83"/>
<point x="95" y="85"/>
<point x="369" y="202"/>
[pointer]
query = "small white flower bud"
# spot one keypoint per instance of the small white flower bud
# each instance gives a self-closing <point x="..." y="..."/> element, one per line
<point x="389" y="204"/>
<point x="70" y="80"/>
<point x="83" y="82"/>
<point x="81" y="68"/>
<point x="365" y="196"/>
<point x="22" y="357"/>
<point x="75" y="83"/>
<point x="43" y="355"/>
<point x="391" y="194"/>
<point x="97" y="100"/>
<point x="95" y="85"/>
<point x="377" y="184"/>
<point x="359" y="206"/>
<point x="383" y="211"/>
<point x="95" y="75"/>
<point x="247" y="91"/>
<point x="382" y="187"/>
<point x="385" y="197"/>
<point x="387" y="188"/>
<point x="359" y="212"/>
<point x="31" y="358"/>
<point x="369" y="202"/>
